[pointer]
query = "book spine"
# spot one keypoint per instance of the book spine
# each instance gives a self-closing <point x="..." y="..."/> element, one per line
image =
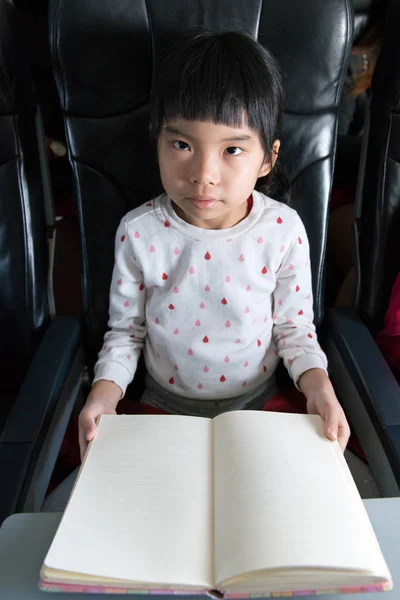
<point x="74" y="588"/>
<point x="91" y="589"/>
<point x="380" y="587"/>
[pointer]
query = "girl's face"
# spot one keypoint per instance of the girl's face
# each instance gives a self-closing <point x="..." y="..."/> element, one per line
<point x="209" y="171"/>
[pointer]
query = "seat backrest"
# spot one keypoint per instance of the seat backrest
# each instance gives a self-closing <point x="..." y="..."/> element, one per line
<point x="105" y="57"/>
<point x="379" y="226"/>
<point x="363" y="10"/>
<point x="23" y="249"/>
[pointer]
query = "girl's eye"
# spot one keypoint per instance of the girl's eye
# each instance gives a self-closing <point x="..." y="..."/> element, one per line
<point x="233" y="150"/>
<point x="179" y="145"/>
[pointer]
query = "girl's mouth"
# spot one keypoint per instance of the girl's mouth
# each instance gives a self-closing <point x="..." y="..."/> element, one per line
<point x="203" y="201"/>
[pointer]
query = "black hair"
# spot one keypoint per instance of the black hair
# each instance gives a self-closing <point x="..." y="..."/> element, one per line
<point x="224" y="77"/>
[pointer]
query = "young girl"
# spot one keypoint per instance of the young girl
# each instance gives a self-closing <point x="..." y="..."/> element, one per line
<point x="212" y="279"/>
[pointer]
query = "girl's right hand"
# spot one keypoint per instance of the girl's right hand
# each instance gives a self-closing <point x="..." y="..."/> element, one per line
<point x="102" y="400"/>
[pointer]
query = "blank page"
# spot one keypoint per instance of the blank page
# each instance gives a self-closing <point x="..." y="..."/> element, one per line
<point x="141" y="509"/>
<point x="284" y="497"/>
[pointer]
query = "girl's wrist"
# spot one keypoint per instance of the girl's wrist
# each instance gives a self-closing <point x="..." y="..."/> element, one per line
<point x="106" y="391"/>
<point x="314" y="379"/>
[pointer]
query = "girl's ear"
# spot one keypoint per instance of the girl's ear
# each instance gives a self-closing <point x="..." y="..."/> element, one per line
<point x="267" y="166"/>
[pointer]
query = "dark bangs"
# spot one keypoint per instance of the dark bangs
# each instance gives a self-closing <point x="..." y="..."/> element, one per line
<point x="225" y="78"/>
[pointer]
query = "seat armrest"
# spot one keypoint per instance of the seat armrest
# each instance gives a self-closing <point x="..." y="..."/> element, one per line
<point x="367" y="390"/>
<point x="43" y="383"/>
<point x="367" y="366"/>
<point x="33" y="410"/>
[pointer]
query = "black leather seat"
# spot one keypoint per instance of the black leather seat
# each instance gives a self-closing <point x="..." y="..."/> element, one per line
<point x="380" y="208"/>
<point x="24" y="309"/>
<point x="374" y="395"/>
<point x="368" y="24"/>
<point x="105" y="56"/>
<point x="363" y="11"/>
<point x="37" y="353"/>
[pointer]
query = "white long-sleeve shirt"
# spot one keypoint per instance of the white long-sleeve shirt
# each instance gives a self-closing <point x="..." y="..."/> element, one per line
<point x="212" y="310"/>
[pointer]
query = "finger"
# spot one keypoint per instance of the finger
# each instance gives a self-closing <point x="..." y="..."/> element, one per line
<point x="88" y="425"/>
<point x="331" y="423"/>
<point x="87" y="431"/>
<point x="91" y="431"/>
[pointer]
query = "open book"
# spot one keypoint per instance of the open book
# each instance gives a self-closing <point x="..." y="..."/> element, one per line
<point x="247" y="503"/>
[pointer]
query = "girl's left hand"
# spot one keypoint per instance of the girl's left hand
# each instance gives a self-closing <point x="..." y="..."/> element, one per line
<point x="321" y="400"/>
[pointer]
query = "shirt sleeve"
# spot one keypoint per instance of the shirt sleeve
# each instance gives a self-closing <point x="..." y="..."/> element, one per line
<point x="292" y="304"/>
<point x="123" y="343"/>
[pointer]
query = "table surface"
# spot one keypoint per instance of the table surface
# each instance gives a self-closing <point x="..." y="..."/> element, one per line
<point x="25" y="539"/>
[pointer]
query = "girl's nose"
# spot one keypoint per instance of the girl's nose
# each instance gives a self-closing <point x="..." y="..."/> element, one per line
<point x="204" y="170"/>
